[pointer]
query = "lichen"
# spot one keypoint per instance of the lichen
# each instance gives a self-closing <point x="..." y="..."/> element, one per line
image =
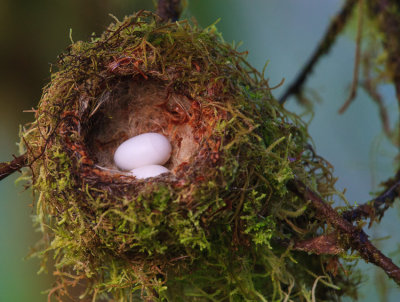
<point x="222" y="226"/>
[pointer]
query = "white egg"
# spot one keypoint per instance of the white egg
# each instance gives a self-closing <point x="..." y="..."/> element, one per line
<point x="143" y="150"/>
<point x="149" y="171"/>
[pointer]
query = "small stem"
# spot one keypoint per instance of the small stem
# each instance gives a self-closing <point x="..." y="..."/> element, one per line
<point x="336" y="26"/>
<point x="16" y="164"/>
<point x="169" y="10"/>
<point x="371" y="88"/>
<point x="356" y="70"/>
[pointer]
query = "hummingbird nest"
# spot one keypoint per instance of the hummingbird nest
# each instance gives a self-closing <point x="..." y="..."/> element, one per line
<point x="221" y="225"/>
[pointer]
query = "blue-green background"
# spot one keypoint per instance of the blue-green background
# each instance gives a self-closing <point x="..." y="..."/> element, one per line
<point x="33" y="33"/>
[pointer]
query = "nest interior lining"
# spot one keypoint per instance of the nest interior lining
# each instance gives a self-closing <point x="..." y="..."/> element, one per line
<point x="135" y="107"/>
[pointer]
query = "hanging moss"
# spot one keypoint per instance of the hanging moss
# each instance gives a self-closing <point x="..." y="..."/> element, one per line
<point x="222" y="225"/>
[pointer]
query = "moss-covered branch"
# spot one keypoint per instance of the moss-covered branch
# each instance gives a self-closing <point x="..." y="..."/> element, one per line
<point x="352" y="237"/>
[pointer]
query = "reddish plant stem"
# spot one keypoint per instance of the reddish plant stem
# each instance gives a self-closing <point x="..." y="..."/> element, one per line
<point x="16" y="164"/>
<point x="353" y="237"/>
<point x="336" y="26"/>
<point x="169" y="10"/>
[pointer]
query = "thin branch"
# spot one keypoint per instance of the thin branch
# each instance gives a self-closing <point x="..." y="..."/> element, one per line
<point x="169" y="10"/>
<point x="374" y="207"/>
<point x="335" y="27"/>
<point x="356" y="238"/>
<point x="370" y="87"/>
<point x="356" y="70"/>
<point x="378" y="99"/>
<point x="16" y="164"/>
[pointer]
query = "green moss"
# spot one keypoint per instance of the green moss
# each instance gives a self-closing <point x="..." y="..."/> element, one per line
<point x="222" y="228"/>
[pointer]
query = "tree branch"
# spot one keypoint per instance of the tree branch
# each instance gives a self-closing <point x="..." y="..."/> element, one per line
<point x="374" y="207"/>
<point x="16" y="164"/>
<point x="336" y="26"/>
<point x="169" y="10"/>
<point x="356" y="238"/>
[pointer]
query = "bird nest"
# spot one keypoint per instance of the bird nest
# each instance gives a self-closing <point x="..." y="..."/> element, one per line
<point x="221" y="226"/>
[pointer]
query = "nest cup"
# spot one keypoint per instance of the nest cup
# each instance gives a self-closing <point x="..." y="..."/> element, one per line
<point x="218" y="227"/>
<point x="141" y="105"/>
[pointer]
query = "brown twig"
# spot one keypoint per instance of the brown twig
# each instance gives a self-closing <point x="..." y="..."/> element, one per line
<point x="169" y="9"/>
<point x="16" y="164"/>
<point x="356" y="70"/>
<point x="356" y="238"/>
<point x="374" y="207"/>
<point x="335" y="27"/>
<point x="8" y="168"/>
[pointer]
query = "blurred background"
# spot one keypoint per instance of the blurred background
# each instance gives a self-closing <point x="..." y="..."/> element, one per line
<point x="33" y="33"/>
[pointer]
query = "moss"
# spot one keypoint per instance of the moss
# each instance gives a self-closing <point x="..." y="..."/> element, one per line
<point x="219" y="228"/>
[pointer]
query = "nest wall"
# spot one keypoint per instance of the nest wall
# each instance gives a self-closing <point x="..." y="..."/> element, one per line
<point x="221" y="226"/>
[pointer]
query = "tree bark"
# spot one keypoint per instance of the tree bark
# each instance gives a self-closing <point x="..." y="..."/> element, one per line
<point x="16" y="164"/>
